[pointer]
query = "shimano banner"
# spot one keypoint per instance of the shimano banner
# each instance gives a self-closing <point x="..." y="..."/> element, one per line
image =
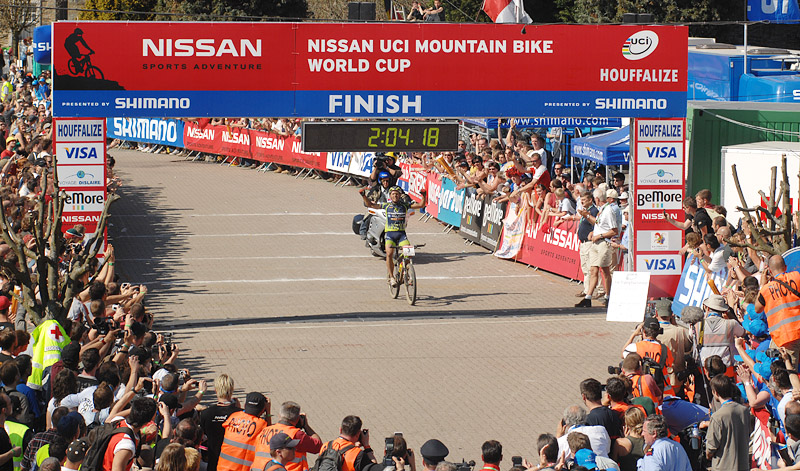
<point x="168" y="132"/>
<point x="42" y="39"/>
<point x="774" y="11"/>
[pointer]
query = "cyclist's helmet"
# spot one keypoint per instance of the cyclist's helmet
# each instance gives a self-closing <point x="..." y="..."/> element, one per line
<point x="383" y="175"/>
<point x="78" y="31"/>
<point x="396" y="188"/>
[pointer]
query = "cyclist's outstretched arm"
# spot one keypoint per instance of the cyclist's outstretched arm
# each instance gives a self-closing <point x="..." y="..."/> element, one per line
<point x="422" y="203"/>
<point x="367" y="202"/>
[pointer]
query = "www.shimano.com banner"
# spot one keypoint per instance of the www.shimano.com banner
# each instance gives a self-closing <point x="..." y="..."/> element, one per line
<point x="349" y="70"/>
<point x="167" y="132"/>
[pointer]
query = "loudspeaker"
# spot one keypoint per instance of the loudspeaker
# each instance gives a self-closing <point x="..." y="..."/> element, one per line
<point x="629" y="17"/>
<point x="353" y="11"/>
<point x="367" y="11"/>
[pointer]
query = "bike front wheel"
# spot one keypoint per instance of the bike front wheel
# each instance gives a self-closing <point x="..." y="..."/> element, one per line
<point x="410" y="280"/>
<point x="395" y="290"/>
<point x="94" y="73"/>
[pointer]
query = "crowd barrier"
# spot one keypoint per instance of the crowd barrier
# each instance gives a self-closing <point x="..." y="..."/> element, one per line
<point x="477" y="218"/>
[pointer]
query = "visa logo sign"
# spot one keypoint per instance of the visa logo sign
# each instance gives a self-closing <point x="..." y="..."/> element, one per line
<point x="659" y="264"/>
<point x="661" y="153"/>
<point x="81" y="153"/>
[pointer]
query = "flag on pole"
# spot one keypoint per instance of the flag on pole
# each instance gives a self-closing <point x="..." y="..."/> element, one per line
<point x="506" y="11"/>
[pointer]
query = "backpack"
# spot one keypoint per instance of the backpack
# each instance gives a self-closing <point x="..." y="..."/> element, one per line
<point x="652" y="367"/>
<point x="330" y="459"/>
<point x="98" y="439"/>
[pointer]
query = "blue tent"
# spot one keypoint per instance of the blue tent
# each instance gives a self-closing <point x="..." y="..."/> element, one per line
<point x="611" y="148"/>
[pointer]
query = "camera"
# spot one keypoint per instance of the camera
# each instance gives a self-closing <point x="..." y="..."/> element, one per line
<point x="465" y="465"/>
<point x="772" y="353"/>
<point x="614" y="370"/>
<point x="102" y="325"/>
<point x="516" y="461"/>
<point x="388" y="448"/>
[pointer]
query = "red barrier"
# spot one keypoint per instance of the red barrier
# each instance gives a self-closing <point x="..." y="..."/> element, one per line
<point x="416" y="176"/>
<point x="251" y="144"/>
<point x="554" y="249"/>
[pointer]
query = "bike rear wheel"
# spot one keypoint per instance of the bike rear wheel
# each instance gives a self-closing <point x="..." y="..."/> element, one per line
<point x="410" y="280"/>
<point x="72" y="66"/>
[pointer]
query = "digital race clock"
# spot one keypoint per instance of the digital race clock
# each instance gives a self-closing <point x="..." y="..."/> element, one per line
<point x="380" y="136"/>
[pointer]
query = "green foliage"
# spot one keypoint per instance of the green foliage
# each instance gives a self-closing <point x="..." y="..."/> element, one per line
<point x="248" y="10"/>
<point x="110" y="10"/>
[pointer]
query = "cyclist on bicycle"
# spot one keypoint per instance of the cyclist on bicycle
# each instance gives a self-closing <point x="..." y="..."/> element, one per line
<point x="396" y="209"/>
<point x="71" y="45"/>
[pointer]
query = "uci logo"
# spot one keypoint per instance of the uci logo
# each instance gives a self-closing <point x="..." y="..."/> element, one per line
<point x="640" y="45"/>
<point x="81" y="153"/>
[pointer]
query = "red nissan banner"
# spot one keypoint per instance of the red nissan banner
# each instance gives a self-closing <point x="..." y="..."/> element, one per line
<point x="251" y="144"/>
<point x="554" y="249"/>
<point x="184" y="69"/>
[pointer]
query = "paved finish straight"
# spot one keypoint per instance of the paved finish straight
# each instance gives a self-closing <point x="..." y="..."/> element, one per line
<point x="260" y="276"/>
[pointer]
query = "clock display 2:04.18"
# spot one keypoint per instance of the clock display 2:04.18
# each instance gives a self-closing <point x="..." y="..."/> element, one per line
<point x="394" y="136"/>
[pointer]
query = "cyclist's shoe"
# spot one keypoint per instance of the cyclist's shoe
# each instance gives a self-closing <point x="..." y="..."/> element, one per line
<point x="392" y="282"/>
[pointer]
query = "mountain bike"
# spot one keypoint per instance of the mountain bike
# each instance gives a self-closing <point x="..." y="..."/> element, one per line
<point x="404" y="273"/>
<point x="84" y="65"/>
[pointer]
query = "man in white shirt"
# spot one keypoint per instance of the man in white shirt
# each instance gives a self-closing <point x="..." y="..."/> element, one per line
<point x="601" y="253"/>
<point x="574" y="420"/>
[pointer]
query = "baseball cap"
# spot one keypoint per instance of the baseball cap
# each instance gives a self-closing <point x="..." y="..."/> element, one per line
<point x="612" y="194"/>
<point x="77" y="450"/>
<point x="69" y="424"/>
<point x="281" y="440"/>
<point x="651" y="323"/>
<point x="255" y="403"/>
<point x="624" y="195"/>
<point x="10" y="138"/>
<point x="586" y="458"/>
<point x="4" y="303"/>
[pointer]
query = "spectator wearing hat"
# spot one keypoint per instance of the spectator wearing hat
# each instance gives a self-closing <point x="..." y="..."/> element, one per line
<point x="677" y="339"/>
<point x="5" y="321"/>
<point x="11" y="145"/>
<point x="728" y="435"/>
<point x="76" y="452"/>
<point x="718" y="332"/>
<point x="580" y="441"/>
<point x="282" y="450"/>
<point x="241" y="431"/>
<point x="433" y="452"/>
<point x="601" y="254"/>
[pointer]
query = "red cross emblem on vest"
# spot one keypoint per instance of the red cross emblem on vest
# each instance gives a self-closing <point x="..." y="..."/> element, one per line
<point x="56" y="333"/>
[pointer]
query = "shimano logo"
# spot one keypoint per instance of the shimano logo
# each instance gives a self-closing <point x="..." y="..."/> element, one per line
<point x="200" y="47"/>
<point x="796" y="94"/>
<point x="630" y="103"/>
<point x="152" y="103"/>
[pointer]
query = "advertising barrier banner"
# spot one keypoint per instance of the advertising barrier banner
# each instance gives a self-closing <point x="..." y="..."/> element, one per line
<point x="168" y="132"/>
<point x="555" y="249"/>
<point x="414" y="180"/>
<point x="472" y="216"/>
<point x="492" y="224"/>
<point x="693" y="287"/>
<point x="434" y="189"/>
<point x="451" y="202"/>
<point x="257" y="145"/>
<point x="361" y="164"/>
<point x="389" y="70"/>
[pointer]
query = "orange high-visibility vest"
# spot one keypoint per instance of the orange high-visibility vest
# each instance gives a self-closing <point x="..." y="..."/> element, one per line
<point x="641" y="389"/>
<point x="782" y="308"/>
<point x="238" y="445"/>
<point x="349" y="457"/>
<point x="273" y="466"/>
<point x="262" y="456"/>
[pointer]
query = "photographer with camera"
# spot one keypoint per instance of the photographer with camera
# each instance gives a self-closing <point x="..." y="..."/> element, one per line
<point x="294" y="424"/>
<point x="643" y="385"/>
<point x="352" y="445"/>
<point x="651" y="348"/>
<point x="396" y="454"/>
<point x="385" y="163"/>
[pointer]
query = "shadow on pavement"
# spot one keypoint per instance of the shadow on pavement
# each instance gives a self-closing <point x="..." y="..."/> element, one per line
<point x="382" y="316"/>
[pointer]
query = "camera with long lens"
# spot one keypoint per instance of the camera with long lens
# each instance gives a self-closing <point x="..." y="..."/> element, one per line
<point x="772" y="353"/>
<point x="614" y="370"/>
<point x="465" y="465"/>
<point x="102" y="325"/>
<point x="388" y="448"/>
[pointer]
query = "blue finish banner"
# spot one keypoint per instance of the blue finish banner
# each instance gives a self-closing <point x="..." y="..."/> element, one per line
<point x="693" y="288"/>
<point x="451" y="202"/>
<point x="774" y="11"/>
<point x="167" y="132"/>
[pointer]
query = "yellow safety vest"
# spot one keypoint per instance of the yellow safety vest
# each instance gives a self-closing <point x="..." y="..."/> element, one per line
<point x="16" y="432"/>
<point x="48" y="339"/>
